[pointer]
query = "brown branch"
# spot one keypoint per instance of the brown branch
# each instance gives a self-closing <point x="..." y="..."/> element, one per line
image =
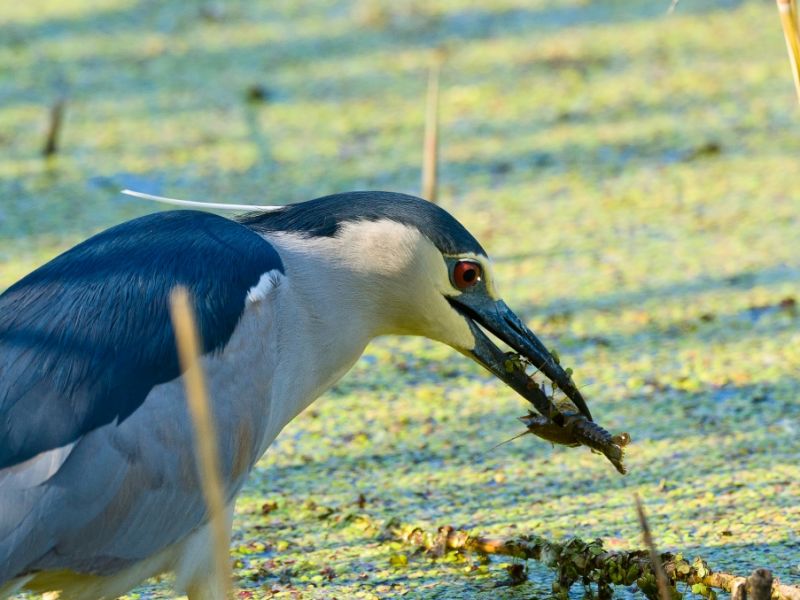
<point x="587" y="562"/>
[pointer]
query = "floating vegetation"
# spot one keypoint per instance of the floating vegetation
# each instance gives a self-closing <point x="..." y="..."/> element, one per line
<point x="598" y="569"/>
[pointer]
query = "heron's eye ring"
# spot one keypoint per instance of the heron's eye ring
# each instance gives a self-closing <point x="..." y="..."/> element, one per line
<point x="466" y="273"/>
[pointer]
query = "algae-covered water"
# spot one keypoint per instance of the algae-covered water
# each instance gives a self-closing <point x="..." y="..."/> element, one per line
<point x="634" y="175"/>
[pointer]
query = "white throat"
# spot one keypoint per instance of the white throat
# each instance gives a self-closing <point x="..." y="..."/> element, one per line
<point x="372" y="278"/>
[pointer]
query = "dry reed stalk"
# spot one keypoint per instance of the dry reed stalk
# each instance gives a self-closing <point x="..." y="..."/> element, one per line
<point x="430" y="148"/>
<point x="205" y="438"/>
<point x="787" y="9"/>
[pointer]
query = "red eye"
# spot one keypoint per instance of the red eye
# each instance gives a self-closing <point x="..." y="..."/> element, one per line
<point x="466" y="274"/>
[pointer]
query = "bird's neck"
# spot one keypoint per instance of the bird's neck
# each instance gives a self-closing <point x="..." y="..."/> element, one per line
<point x="323" y="325"/>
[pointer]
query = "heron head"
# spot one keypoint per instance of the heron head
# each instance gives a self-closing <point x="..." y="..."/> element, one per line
<point x="406" y="266"/>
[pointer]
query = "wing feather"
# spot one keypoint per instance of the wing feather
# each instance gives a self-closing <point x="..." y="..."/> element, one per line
<point x="84" y="338"/>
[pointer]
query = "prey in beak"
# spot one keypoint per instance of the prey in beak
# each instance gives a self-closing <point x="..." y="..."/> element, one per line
<point x="568" y="423"/>
<point x="484" y="314"/>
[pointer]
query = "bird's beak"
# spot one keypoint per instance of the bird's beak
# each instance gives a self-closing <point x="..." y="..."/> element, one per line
<point x="496" y="317"/>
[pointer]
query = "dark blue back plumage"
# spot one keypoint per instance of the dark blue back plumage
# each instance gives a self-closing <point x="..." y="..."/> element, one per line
<point x="84" y="338"/>
<point x="324" y="216"/>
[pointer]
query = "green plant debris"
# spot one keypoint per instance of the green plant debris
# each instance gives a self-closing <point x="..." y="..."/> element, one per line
<point x="576" y="561"/>
<point x="576" y="144"/>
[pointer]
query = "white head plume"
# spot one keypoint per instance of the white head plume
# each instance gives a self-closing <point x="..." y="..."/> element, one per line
<point x="197" y="203"/>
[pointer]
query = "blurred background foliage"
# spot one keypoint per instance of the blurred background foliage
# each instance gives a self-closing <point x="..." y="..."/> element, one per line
<point x="632" y="172"/>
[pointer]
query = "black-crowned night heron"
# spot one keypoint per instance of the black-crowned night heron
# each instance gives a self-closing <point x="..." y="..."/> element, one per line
<point x="98" y="484"/>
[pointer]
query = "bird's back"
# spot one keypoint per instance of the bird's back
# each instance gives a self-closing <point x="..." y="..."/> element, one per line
<point x="86" y="336"/>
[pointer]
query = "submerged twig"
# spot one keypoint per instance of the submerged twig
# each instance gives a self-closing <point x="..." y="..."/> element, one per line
<point x="576" y="560"/>
<point x="55" y="120"/>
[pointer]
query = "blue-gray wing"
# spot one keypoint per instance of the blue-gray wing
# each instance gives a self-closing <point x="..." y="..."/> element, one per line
<point x="96" y="464"/>
<point x="84" y="338"/>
